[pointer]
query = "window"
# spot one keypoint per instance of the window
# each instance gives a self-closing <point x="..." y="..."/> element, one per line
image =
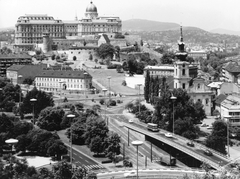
<point x="207" y="101"/>
<point x="183" y="86"/>
<point x="198" y="86"/>
<point x="183" y="72"/>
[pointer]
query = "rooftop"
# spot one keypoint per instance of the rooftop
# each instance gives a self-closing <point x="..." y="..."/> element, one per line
<point x="64" y="74"/>
<point x="10" y="56"/>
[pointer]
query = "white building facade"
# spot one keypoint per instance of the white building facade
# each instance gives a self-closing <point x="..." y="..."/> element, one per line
<point x="55" y="81"/>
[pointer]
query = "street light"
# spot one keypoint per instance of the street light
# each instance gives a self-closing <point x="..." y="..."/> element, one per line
<point x="71" y="116"/>
<point x="61" y="87"/>
<point x="139" y="97"/>
<point x="173" y="98"/>
<point x="109" y="78"/>
<point x="104" y="91"/>
<point x="33" y="101"/>
<point x="227" y="121"/>
<point x="137" y="143"/>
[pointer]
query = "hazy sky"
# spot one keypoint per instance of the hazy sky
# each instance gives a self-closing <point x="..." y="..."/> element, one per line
<point x="205" y="14"/>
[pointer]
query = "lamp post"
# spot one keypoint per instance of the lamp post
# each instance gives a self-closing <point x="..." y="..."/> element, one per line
<point x="85" y="84"/>
<point x="61" y="87"/>
<point x="137" y="143"/>
<point x="109" y="78"/>
<point x="71" y="116"/>
<point x="33" y="101"/>
<point x="139" y="97"/>
<point x="20" y="91"/>
<point x="227" y="121"/>
<point x="173" y="98"/>
<point x="104" y="91"/>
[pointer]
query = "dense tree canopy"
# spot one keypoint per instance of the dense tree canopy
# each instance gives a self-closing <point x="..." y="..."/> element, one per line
<point x="218" y="138"/>
<point x="43" y="100"/>
<point x="106" y="50"/>
<point x="50" y="118"/>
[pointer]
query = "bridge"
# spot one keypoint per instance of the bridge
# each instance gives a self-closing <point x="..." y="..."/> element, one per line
<point x="178" y="143"/>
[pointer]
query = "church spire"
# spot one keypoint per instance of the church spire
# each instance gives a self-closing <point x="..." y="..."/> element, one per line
<point x="181" y="53"/>
<point x="181" y="37"/>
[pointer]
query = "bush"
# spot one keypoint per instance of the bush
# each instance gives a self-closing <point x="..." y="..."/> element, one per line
<point x="124" y="83"/>
<point x="112" y="103"/>
<point x="102" y="101"/>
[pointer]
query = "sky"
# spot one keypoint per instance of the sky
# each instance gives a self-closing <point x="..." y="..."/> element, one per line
<point x="205" y="14"/>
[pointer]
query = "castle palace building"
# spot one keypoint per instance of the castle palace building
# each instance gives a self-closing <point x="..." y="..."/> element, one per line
<point x="30" y="29"/>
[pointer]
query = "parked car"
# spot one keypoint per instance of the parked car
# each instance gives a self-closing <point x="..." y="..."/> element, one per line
<point x="130" y="174"/>
<point x="208" y="152"/>
<point x="169" y="135"/>
<point x="130" y="121"/>
<point x="210" y="127"/>
<point x="190" y="143"/>
<point x="204" y="125"/>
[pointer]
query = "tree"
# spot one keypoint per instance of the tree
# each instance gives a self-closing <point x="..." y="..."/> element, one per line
<point x="62" y="170"/>
<point x="167" y="58"/>
<point x="132" y="64"/>
<point x="218" y="138"/>
<point x="74" y="58"/>
<point x="90" y="57"/>
<point x="43" y="100"/>
<point x="57" y="148"/>
<point x="97" y="145"/>
<point x="147" y="85"/>
<point x="113" y="145"/>
<point x="22" y="127"/>
<point x="95" y="126"/>
<point x="50" y="118"/>
<point x="106" y="50"/>
<point x="28" y="80"/>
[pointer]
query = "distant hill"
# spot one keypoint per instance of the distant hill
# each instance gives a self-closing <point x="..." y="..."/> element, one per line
<point x="225" y="31"/>
<point x="147" y="25"/>
<point x="7" y="29"/>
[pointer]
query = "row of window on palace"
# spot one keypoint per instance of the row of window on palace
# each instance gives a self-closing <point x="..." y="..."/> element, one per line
<point x="58" y="80"/>
<point x="39" y="35"/>
<point x="67" y="85"/>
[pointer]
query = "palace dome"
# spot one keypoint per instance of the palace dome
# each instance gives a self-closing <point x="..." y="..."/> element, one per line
<point x="91" y="8"/>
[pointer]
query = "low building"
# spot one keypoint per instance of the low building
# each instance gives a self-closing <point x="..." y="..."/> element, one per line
<point x="230" y="108"/>
<point x="56" y="81"/>
<point x="8" y="60"/>
<point x="17" y="73"/>
<point x="199" y="91"/>
<point x="230" y="72"/>
<point x="164" y="70"/>
<point x="198" y="54"/>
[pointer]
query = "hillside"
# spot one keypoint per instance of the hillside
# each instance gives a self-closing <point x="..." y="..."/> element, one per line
<point x="147" y="25"/>
<point x="225" y="31"/>
<point x="190" y="35"/>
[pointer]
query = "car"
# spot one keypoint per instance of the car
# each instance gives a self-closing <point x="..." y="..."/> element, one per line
<point x="204" y="125"/>
<point x="190" y="143"/>
<point x="169" y="135"/>
<point x="208" y="152"/>
<point x="210" y="127"/>
<point x="130" y="174"/>
<point x="130" y="121"/>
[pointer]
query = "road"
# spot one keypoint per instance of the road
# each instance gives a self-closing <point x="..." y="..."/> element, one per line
<point x="153" y="173"/>
<point x="180" y="143"/>
<point x="79" y="158"/>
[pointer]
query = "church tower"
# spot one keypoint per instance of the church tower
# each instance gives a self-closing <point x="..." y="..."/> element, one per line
<point x="181" y="66"/>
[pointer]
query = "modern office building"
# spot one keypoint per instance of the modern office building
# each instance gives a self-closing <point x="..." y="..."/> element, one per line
<point x="8" y="60"/>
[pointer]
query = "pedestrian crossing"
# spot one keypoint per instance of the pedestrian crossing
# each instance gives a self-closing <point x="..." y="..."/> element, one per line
<point x="92" y="167"/>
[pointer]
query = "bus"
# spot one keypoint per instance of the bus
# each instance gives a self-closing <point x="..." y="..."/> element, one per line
<point x="152" y="127"/>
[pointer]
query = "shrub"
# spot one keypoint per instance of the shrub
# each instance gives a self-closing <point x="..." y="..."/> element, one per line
<point x="102" y="101"/>
<point x="124" y="83"/>
<point x="112" y="103"/>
